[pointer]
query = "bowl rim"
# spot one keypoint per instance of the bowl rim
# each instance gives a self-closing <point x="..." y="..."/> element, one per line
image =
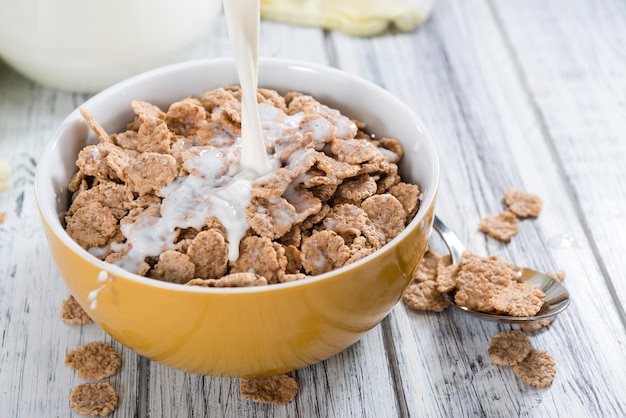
<point x="51" y="218"/>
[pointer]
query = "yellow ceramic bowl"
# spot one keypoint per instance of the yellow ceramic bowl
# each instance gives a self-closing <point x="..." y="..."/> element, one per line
<point x="240" y="331"/>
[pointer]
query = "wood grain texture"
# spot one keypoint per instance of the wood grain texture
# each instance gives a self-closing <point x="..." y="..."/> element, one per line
<point x="464" y="83"/>
<point x="517" y="94"/>
<point x="576" y="79"/>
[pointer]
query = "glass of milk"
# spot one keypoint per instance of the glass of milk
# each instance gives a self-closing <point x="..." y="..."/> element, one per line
<point x="87" y="45"/>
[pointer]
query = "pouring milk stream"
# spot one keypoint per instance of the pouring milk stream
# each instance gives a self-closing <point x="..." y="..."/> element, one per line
<point x="242" y="18"/>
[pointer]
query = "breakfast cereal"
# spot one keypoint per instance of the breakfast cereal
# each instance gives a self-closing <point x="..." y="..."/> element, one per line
<point x="73" y="313"/>
<point x="536" y="326"/>
<point x="480" y="281"/>
<point x="537" y="369"/>
<point x="94" y="360"/>
<point x="559" y="276"/>
<point x="422" y="293"/>
<point x="523" y="204"/>
<point x="508" y="348"/>
<point x="446" y="274"/>
<point x="518" y="299"/>
<point x="424" y="296"/>
<point x="244" y="279"/>
<point x="278" y="389"/>
<point x="428" y="267"/>
<point x="502" y="226"/>
<point x="513" y="348"/>
<point x="166" y="197"/>
<point x="94" y="399"/>
<point x="486" y="284"/>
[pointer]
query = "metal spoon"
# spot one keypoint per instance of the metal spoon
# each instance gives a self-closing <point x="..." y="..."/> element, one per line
<point x="556" y="296"/>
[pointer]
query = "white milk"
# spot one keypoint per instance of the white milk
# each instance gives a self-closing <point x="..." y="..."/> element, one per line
<point x="242" y="17"/>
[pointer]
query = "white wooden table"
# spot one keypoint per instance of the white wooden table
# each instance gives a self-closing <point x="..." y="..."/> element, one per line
<point x="528" y="94"/>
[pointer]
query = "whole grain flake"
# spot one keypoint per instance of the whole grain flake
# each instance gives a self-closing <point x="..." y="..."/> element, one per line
<point x="94" y="360"/>
<point x="537" y="369"/>
<point x="508" y="348"/>
<point x="94" y="399"/>
<point x="276" y="389"/>
<point x="523" y="204"/>
<point x="502" y="226"/>
<point x="73" y="313"/>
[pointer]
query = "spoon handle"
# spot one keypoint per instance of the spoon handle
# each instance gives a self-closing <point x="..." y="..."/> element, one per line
<point x="453" y="243"/>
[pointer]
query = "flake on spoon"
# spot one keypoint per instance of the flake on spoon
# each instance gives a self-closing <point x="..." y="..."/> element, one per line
<point x="518" y="299"/>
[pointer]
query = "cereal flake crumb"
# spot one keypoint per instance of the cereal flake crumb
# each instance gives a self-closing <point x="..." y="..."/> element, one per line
<point x="537" y="369"/>
<point x="94" y="399"/>
<point x="94" y="360"/>
<point x="536" y="326"/>
<point x="92" y="225"/>
<point x="424" y="296"/>
<point x="518" y="299"/>
<point x="387" y="213"/>
<point x="427" y="269"/>
<point x="231" y="280"/>
<point x="324" y="251"/>
<point x="523" y="204"/>
<point x="501" y="227"/>
<point x="173" y="267"/>
<point x="446" y="274"/>
<point x="95" y="126"/>
<point x="73" y="313"/>
<point x="508" y="348"/>
<point x="277" y="389"/>
<point x="559" y="276"/>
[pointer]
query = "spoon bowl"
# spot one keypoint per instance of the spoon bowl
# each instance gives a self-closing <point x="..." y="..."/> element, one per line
<point x="556" y="295"/>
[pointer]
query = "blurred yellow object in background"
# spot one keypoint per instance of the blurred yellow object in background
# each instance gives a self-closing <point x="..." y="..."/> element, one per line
<point x="356" y="17"/>
<point x="5" y="175"/>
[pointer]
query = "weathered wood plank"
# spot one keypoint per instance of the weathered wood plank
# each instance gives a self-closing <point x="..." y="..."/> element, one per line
<point x="573" y="60"/>
<point x="459" y="75"/>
